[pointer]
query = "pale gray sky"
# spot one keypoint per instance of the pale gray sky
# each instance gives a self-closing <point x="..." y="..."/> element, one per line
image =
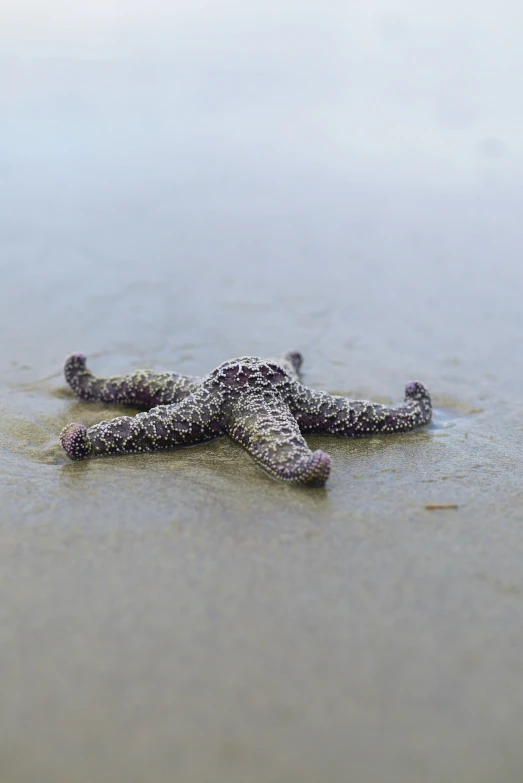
<point x="367" y="89"/>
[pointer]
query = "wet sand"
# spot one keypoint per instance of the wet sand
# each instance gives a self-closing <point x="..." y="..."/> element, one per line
<point x="181" y="616"/>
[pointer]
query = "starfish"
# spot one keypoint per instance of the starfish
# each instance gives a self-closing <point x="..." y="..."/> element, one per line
<point x="259" y="403"/>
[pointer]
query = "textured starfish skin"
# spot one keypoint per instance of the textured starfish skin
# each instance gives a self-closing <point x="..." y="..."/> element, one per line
<point x="259" y="403"/>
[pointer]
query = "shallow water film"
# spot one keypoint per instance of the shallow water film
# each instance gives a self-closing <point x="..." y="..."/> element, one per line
<point x="185" y="183"/>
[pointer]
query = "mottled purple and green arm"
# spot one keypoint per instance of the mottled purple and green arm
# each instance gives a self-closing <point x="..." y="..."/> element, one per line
<point x="266" y="428"/>
<point x="144" y="388"/>
<point x="195" y="419"/>
<point x="319" y="412"/>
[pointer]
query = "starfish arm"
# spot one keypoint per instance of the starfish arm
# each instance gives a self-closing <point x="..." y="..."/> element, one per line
<point x="321" y="412"/>
<point x="194" y="420"/>
<point x="264" y="425"/>
<point x="291" y="363"/>
<point x="143" y="387"/>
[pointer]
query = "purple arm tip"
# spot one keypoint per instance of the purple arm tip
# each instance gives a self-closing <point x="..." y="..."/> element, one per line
<point x="75" y="442"/>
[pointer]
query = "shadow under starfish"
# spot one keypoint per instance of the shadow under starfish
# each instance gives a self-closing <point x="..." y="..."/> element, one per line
<point x="259" y="403"/>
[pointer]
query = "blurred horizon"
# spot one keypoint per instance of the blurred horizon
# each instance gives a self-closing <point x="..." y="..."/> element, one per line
<point x="423" y="94"/>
